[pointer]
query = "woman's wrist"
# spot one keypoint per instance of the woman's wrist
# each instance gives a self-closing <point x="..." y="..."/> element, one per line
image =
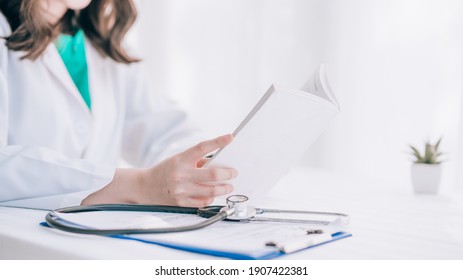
<point x="125" y="188"/>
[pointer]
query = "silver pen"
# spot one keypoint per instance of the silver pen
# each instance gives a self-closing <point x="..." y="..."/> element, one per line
<point x="297" y="243"/>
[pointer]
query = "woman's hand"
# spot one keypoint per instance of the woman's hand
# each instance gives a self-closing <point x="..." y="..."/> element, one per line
<point x="179" y="180"/>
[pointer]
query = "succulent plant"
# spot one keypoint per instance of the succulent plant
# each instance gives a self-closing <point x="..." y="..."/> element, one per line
<point x="431" y="153"/>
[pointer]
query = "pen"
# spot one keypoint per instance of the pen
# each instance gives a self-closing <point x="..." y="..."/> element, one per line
<point x="301" y="242"/>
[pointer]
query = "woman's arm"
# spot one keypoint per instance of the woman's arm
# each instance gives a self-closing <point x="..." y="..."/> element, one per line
<point x="179" y="180"/>
<point x="33" y="171"/>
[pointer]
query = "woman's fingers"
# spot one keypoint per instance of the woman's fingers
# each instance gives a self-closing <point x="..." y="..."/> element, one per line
<point x="198" y="151"/>
<point x="197" y="201"/>
<point x="182" y="180"/>
<point x="200" y="195"/>
<point x="204" y="194"/>
<point x="213" y="174"/>
<point x="208" y="191"/>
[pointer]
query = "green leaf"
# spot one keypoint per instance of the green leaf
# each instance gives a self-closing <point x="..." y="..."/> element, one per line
<point x="416" y="153"/>
<point x="428" y="153"/>
<point x="436" y="146"/>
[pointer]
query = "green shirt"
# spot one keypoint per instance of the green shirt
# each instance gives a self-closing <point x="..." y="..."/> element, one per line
<point x="72" y="51"/>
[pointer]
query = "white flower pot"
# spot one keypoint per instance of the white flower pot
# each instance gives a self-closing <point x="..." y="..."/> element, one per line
<point x="426" y="177"/>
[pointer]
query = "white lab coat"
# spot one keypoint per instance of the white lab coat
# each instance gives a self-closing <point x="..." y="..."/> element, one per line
<point x="52" y="146"/>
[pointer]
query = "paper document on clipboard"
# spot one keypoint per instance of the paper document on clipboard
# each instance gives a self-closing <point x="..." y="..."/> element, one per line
<point x="275" y="134"/>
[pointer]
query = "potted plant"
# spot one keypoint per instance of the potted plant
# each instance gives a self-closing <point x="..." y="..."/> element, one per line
<point x="427" y="168"/>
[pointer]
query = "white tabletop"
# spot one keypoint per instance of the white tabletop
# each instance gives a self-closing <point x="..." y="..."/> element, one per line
<point x="388" y="222"/>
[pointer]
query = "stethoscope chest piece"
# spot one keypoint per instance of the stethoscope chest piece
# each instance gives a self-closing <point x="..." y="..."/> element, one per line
<point x="242" y="211"/>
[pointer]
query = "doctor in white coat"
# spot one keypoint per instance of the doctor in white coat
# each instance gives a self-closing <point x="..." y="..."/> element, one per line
<point x="53" y="146"/>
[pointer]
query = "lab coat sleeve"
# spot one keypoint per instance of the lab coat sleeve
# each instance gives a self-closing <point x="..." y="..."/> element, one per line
<point x="32" y="172"/>
<point x="28" y="172"/>
<point x="155" y="126"/>
<point x="3" y="65"/>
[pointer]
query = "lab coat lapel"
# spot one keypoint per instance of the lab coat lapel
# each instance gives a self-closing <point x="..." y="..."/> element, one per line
<point x="105" y="103"/>
<point x="55" y="65"/>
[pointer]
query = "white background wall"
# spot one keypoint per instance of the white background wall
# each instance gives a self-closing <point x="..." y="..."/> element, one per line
<point x="395" y="65"/>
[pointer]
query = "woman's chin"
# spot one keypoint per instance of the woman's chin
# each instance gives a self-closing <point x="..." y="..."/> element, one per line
<point x="77" y="4"/>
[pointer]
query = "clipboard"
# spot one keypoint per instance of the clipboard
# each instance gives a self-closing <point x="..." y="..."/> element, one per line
<point x="227" y="239"/>
<point x="228" y="254"/>
<point x="220" y="253"/>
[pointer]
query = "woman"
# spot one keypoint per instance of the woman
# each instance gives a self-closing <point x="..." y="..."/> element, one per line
<point x="73" y="102"/>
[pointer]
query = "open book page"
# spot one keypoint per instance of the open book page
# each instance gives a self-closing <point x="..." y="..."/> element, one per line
<point x="274" y="135"/>
<point x="319" y="85"/>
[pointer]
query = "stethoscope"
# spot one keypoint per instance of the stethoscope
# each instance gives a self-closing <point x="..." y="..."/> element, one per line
<point x="237" y="209"/>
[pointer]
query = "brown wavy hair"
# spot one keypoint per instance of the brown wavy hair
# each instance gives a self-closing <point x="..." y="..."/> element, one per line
<point x="104" y="22"/>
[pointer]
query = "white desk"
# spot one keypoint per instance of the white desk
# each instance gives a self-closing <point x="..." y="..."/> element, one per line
<point x="388" y="222"/>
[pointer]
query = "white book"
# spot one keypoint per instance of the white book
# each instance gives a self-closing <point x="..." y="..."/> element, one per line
<point x="275" y="134"/>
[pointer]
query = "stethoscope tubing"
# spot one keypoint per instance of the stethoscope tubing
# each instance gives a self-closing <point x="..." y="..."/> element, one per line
<point x="55" y="221"/>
